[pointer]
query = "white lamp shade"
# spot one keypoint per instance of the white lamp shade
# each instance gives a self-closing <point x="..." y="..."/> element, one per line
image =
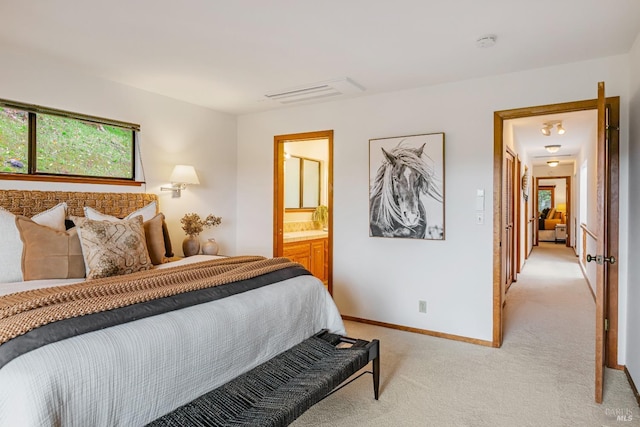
<point x="184" y="174"/>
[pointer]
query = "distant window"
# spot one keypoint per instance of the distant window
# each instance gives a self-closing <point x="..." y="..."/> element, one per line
<point x="546" y="197"/>
<point x="42" y="141"/>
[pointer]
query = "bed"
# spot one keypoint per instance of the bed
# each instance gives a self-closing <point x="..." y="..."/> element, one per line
<point x="161" y="358"/>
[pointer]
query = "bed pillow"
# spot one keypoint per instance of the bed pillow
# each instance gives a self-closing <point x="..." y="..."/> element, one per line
<point x="11" y="244"/>
<point x="154" y="236"/>
<point x="148" y="213"/>
<point x="112" y="248"/>
<point x="49" y="253"/>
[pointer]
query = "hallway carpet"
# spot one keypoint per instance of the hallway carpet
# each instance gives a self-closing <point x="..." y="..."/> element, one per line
<point x="542" y="376"/>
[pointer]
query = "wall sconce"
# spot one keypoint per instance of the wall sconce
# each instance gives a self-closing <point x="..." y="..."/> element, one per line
<point x="547" y="126"/>
<point x="552" y="148"/>
<point x="181" y="176"/>
<point x="553" y="163"/>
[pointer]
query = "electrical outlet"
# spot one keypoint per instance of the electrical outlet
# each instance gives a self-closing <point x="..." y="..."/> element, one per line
<point x="422" y="306"/>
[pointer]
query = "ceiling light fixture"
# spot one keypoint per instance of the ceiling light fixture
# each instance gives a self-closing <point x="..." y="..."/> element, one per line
<point x="546" y="130"/>
<point x="547" y="126"/>
<point x="552" y="148"/>
<point x="553" y="163"/>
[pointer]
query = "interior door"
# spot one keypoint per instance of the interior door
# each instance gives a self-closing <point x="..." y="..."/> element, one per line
<point x="509" y="214"/>
<point x="602" y="201"/>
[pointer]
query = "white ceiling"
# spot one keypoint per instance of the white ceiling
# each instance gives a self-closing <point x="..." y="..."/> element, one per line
<point x="580" y="126"/>
<point x="226" y="55"/>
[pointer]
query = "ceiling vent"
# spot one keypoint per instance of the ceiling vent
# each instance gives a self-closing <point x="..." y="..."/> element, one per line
<point x="554" y="155"/>
<point x="315" y="91"/>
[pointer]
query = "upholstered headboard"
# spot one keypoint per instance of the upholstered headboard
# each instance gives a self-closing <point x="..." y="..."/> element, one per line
<point x="29" y="203"/>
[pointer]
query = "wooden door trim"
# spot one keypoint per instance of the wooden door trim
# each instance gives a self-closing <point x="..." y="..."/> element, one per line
<point x="518" y="213"/>
<point x="512" y="245"/>
<point x="498" y="148"/>
<point x="613" y="232"/>
<point x="278" y="191"/>
<point x="601" y="200"/>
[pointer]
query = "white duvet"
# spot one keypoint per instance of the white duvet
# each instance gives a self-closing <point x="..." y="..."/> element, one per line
<point x="131" y="374"/>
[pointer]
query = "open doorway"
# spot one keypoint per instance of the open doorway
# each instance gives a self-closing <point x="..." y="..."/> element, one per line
<point x="303" y="201"/>
<point x="553" y="209"/>
<point x="611" y="179"/>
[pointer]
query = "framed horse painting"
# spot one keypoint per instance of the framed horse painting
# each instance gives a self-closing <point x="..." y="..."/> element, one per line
<point x="406" y="190"/>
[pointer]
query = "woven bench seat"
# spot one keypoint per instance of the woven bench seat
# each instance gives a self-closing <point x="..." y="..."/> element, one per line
<point x="281" y="389"/>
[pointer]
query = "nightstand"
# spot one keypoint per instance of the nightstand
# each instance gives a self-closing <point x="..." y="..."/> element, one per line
<point x="561" y="233"/>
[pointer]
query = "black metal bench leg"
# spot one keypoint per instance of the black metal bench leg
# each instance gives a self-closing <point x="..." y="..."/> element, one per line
<point x="374" y="357"/>
<point x="376" y="376"/>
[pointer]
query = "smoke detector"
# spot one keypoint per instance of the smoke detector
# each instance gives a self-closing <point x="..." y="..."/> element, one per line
<point x="486" y="41"/>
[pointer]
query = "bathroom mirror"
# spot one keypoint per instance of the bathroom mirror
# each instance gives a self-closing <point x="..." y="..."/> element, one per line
<point x="302" y="183"/>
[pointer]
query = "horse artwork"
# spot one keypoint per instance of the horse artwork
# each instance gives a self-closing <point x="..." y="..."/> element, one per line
<point x="406" y="197"/>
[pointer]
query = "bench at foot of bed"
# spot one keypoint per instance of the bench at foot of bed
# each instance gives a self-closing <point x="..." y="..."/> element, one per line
<point x="281" y="389"/>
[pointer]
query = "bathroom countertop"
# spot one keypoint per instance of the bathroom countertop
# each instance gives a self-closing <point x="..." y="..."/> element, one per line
<point x="297" y="236"/>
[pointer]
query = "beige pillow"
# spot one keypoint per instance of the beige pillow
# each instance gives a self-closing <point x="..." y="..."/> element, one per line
<point x="11" y="244"/>
<point x="112" y="248"/>
<point x="154" y="237"/>
<point x="49" y="253"/>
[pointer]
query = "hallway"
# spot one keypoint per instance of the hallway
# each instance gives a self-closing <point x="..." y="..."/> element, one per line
<point x="550" y="312"/>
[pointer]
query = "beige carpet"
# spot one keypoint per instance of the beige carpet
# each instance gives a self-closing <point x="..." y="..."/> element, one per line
<point x="542" y="376"/>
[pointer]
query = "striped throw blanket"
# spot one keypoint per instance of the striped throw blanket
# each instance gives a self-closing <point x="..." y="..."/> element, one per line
<point x="22" y="312"/>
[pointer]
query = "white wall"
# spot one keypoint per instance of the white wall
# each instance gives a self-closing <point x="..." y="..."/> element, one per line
<point x="172" y="132"/>
<point x="383" y="279"/>
<point x="633" y="290"/>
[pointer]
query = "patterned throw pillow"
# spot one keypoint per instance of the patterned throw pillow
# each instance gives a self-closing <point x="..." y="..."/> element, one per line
<point x="158" y="240"/>
<point x="113" y="248"/>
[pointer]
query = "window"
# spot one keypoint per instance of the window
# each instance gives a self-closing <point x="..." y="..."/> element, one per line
<point x="546" y="196"/>
<point x="43" y="142"/>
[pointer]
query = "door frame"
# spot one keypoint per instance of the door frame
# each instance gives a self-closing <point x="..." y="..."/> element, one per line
<point x="278" y="192"/>
<point x="569" y="197"/>
<point x="518" y="213"/>
<point x="611" y="309"/>
<point x="510" y="271"/>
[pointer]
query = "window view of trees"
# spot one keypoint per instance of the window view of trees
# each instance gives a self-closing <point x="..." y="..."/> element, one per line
<point x="14" y="140"/>
<point x="545" y="199"/>
<point x="64" y="146"/>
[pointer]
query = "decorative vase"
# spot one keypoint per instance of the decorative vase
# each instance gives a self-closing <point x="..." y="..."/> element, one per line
<point x="210" y="247"/>
<point x="191" y="246"/>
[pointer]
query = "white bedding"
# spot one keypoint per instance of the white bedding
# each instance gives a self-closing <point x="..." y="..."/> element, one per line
<point x="130" y="374"/>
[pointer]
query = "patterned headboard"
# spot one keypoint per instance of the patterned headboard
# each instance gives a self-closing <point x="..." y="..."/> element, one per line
<point x="29" y="203"/>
